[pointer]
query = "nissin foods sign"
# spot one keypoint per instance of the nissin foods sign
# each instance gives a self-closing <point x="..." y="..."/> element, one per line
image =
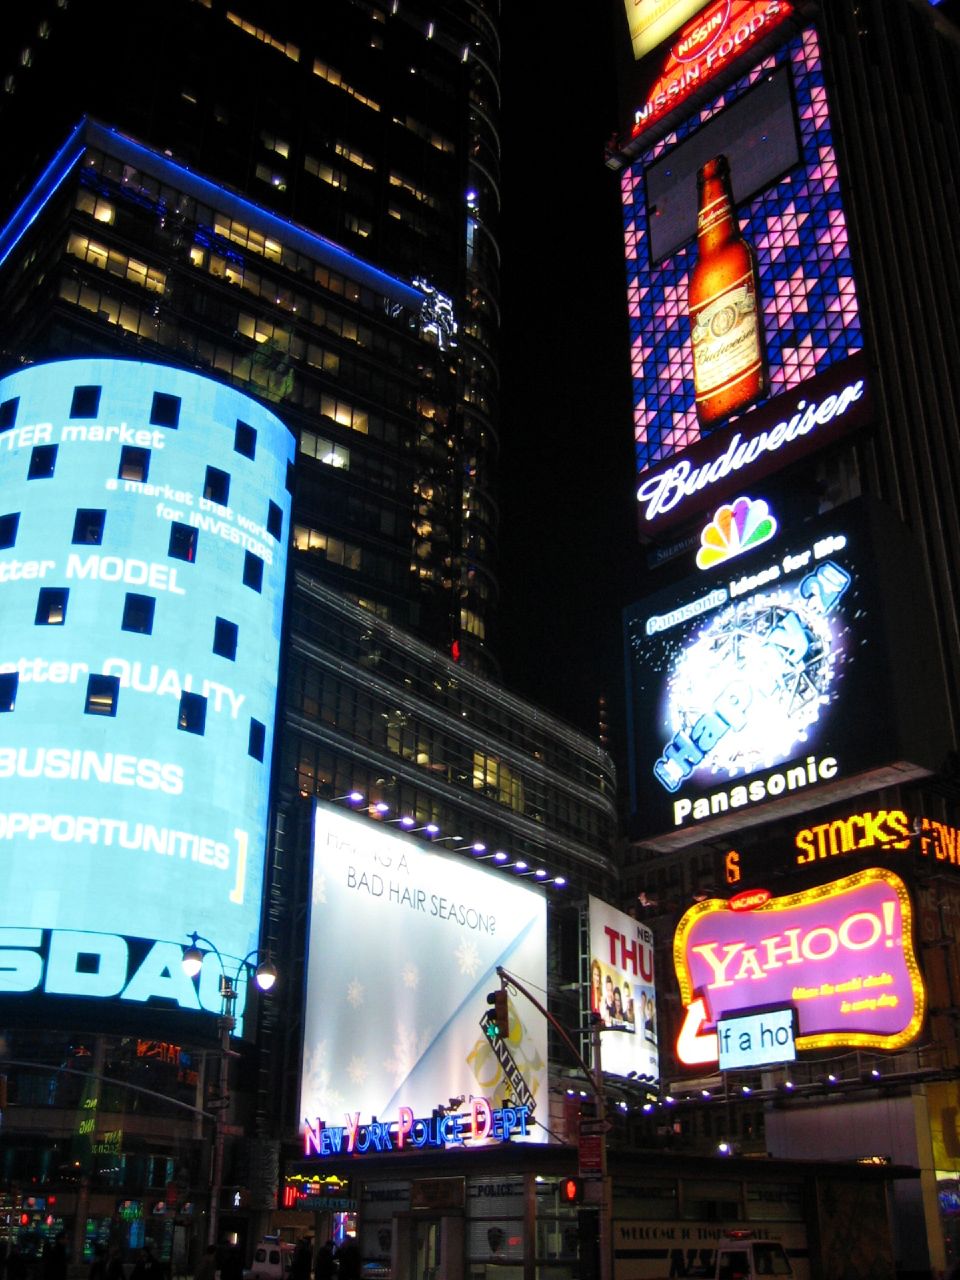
<point x="720" y="35"/>
<point x="144" y="522"/>
<point x="840" y="956"/>
<point x="769" y="677"/>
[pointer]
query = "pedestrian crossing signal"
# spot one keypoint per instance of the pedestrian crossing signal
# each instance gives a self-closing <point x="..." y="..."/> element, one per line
<point x="571" y="1190"/>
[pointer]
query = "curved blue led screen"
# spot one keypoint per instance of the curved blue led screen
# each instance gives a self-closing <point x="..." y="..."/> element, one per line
<point x="144" y="520"/>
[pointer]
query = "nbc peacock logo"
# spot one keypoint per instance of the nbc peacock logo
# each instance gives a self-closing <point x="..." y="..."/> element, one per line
<point x="736" y="527"/>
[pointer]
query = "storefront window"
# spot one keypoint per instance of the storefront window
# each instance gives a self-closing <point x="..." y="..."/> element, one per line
<point x="495" y="1228"/>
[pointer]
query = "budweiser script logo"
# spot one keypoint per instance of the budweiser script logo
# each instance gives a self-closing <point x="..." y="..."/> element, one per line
<point x="665" y="491"/>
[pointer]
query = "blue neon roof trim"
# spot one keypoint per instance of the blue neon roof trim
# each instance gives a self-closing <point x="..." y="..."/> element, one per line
<point x="41" y="192"/>
<point x="91" y="133"/>
<point x="230" y="202"/>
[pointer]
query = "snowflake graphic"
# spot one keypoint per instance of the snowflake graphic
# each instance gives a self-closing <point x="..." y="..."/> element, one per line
<point x="357" y="1070"/>
<point x="467" y="958"/>
<point x="319" y="890"/>
<point x="410" y="976"/>
<point x="407" y="1050"/>
<point x="319" y="1098"/>
<point x="355" y="993"/>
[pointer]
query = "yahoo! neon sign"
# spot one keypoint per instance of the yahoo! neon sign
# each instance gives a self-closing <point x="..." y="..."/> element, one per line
<point x="840" y="954"/>
<point x="479" y="1123"/>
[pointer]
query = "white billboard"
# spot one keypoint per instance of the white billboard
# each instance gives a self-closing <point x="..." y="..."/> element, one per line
<point x="621" y="991"/>
<point x="404" y="945"/>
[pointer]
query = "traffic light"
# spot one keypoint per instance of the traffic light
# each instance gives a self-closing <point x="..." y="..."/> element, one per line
<point x="498" y="1017"/>
<point x="571" y="1190"/>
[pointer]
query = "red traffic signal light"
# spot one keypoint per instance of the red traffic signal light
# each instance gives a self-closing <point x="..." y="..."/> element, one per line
<point x="571" y="1190"/>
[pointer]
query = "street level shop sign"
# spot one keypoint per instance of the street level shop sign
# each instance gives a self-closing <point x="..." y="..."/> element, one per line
<point x="478" y="1125"/>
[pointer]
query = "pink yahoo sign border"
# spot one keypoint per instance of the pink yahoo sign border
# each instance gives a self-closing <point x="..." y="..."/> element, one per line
<point x="841" y="954"/>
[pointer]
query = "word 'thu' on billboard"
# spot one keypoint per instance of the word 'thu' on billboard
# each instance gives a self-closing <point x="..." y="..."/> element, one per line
<point x="622" y="992"/>
<point x="144" y="522"/>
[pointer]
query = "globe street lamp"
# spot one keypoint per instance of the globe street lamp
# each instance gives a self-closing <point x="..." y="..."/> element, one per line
<point x="265" y="975"/>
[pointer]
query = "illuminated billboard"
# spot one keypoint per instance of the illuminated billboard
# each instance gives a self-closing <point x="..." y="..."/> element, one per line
<point x="841" y="956"/>
<point x="652" y="21"/>
<point x="622" y="992"/>
<point x="771" y="130"/>
<point x="143" y="534"/>
<point x="781" y="675"/>
<point x="404" y="944"/>
<point x="710" y="44"/>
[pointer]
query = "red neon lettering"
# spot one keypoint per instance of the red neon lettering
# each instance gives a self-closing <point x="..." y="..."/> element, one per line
<point x="352" y="1126"/>
<point x="404" y="1124"/>
<point x="311" y="1138"/>
<point x="480" y="1108"/>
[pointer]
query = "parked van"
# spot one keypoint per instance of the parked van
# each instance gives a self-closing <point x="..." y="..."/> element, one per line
<point x="272" y="1259"/>
<point x="748" y="1259"/>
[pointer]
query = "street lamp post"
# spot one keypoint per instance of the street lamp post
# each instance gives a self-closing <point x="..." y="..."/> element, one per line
<point x="265" y="975"/>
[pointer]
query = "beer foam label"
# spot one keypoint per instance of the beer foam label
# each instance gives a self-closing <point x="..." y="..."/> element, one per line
<point x="726" y="338"/>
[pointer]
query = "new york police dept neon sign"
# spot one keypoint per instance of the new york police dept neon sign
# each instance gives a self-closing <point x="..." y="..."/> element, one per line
<point x="479" y="1123"/>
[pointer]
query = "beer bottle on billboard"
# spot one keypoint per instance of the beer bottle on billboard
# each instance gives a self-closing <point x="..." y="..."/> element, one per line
<point x="729" y="367"/>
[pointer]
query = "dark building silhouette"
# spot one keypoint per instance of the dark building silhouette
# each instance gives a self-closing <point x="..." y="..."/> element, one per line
<point x="301" y="203"/>
<point x="376" y="127"/>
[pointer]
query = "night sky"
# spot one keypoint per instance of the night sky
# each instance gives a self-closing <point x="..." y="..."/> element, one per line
<point x="569" y="549"/>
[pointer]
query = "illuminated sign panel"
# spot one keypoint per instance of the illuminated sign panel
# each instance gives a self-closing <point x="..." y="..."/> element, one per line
<point x="403" y="948"/>
<point x="480" y="1123"/>
<point x="826" y="837"/>
<point x="841" y="955"/>
<point x="716" y="38"/>
<point x="878" y="829"/>
<point x="756" y="1039"/>
<point x="769" y="678"/>
<point x="622" y="991"/>
<point x="653" y="21"/>
<point x="145" y="519"/>
<point x="773" y="127"/>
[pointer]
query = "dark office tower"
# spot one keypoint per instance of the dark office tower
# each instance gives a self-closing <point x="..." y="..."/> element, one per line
<point x="248" y="300"/>
<point x="374" y="126"/>
<point x="794" y="661"/>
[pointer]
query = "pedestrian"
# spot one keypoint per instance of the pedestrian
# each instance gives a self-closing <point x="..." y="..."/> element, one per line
<point x="231" y="1263"/>
<point x="55" y="1258"/>
<point x="348" y="1260"/>
<point x="114" y="1270"/>
<point x="98" y="1267"/>
<point x="16" y="1264"/>
<point x="300" y="1266"/>
<point x="147" y="1267"/>
<point x="325" y="1267"/>
<point x="207" y="1266"/>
